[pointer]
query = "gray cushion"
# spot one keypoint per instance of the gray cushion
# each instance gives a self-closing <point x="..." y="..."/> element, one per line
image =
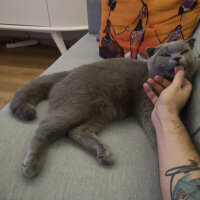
<point x="70" y="172"/>
<point x="191" y="113"/>
<point x="94" y="15"/>
<point x="192" y="110"/>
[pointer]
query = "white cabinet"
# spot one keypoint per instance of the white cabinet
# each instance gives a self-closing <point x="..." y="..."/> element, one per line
<point x="51" y="16"/>
<point x="24" y="12"/>
<point x="72" y="13"/>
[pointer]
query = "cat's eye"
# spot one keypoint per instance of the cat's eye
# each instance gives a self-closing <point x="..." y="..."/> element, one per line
<point x="185" y="51"/>
<point x="165" y="55"/>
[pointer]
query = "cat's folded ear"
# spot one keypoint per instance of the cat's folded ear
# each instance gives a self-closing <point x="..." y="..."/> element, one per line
<point x="191" y="42"/>
<point x="150" y="51"/>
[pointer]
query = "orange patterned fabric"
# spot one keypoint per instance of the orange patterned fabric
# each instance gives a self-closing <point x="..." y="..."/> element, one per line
<point x="128" y="27"/>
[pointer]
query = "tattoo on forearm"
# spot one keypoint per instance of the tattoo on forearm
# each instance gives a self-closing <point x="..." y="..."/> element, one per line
<point x="187" y="188"/>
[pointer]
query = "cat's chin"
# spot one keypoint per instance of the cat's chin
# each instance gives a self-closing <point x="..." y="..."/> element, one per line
<point x="169" y="78"/>
<point x="169" y="75"/>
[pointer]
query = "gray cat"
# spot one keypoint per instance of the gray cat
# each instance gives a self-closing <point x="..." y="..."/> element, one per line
<point x="82" y="101"/>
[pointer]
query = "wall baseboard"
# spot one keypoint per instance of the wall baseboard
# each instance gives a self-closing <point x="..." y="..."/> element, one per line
<point x="70" y="37"/>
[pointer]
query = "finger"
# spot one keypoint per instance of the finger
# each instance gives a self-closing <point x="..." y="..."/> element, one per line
<point x="187" y="86"/>
<point x="152" y="96"/>
<point x="178" y="68"/>
<point x="186" y="83"/>
<point x="164" y="82"/>
<point x="178" y="79"/>
<point x="155" y="85"/>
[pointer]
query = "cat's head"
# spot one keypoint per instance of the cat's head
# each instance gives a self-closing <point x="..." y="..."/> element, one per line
<point x="163" y="58"/>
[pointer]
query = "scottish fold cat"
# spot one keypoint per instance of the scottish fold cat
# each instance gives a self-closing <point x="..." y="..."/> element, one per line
<point x="82" y="101"/>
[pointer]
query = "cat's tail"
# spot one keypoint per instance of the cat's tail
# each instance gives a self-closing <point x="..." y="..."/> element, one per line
<point x="23" y="103"/>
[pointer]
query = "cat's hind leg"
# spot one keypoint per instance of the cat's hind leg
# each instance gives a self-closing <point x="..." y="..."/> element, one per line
<point x="85" y="134"/>
<point x="53" y="127"/>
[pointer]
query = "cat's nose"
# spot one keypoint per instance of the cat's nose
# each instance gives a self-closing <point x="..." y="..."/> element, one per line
<point x="177" y="58"/>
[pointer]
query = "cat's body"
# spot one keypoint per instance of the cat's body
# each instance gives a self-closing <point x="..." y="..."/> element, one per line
<point x="84" y="100"/>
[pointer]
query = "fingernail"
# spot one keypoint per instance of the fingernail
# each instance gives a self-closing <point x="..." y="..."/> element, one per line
<point x="178" y="68"/>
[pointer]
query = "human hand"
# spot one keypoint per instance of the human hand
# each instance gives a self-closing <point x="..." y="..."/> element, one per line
<point x="172" y="96"/>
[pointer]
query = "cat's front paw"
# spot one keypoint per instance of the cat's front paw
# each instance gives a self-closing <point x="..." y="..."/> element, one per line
<point x="105" y="156"/>
<point x="32" y="165"/>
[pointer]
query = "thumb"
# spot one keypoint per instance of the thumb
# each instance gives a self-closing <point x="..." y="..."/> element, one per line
<point x="178" y="78"/>
<point x="187" y="86"/>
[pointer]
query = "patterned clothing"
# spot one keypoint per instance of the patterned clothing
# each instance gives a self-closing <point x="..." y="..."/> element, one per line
<point x="130" y="26"/>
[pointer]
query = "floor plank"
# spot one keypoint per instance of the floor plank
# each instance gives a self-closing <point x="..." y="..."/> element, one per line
<point x="20" y="65"/>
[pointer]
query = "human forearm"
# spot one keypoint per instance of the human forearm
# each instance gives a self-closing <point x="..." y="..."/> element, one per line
<point x="175" y="149"/>
<point x="178" y="159"/>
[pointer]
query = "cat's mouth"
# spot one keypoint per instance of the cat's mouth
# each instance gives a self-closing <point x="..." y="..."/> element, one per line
<point x="178" y="68"/>
<point x="171" y="73"/>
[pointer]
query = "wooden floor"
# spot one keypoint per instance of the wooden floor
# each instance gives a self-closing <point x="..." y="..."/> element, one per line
<point x="20" y="65"/>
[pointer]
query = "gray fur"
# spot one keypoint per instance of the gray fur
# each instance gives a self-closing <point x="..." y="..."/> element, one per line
<point x="84" y="100"/>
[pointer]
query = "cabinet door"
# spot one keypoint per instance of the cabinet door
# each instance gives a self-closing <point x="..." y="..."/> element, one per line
<point x="24" y="12"/>
<point x="68" y="13"/>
